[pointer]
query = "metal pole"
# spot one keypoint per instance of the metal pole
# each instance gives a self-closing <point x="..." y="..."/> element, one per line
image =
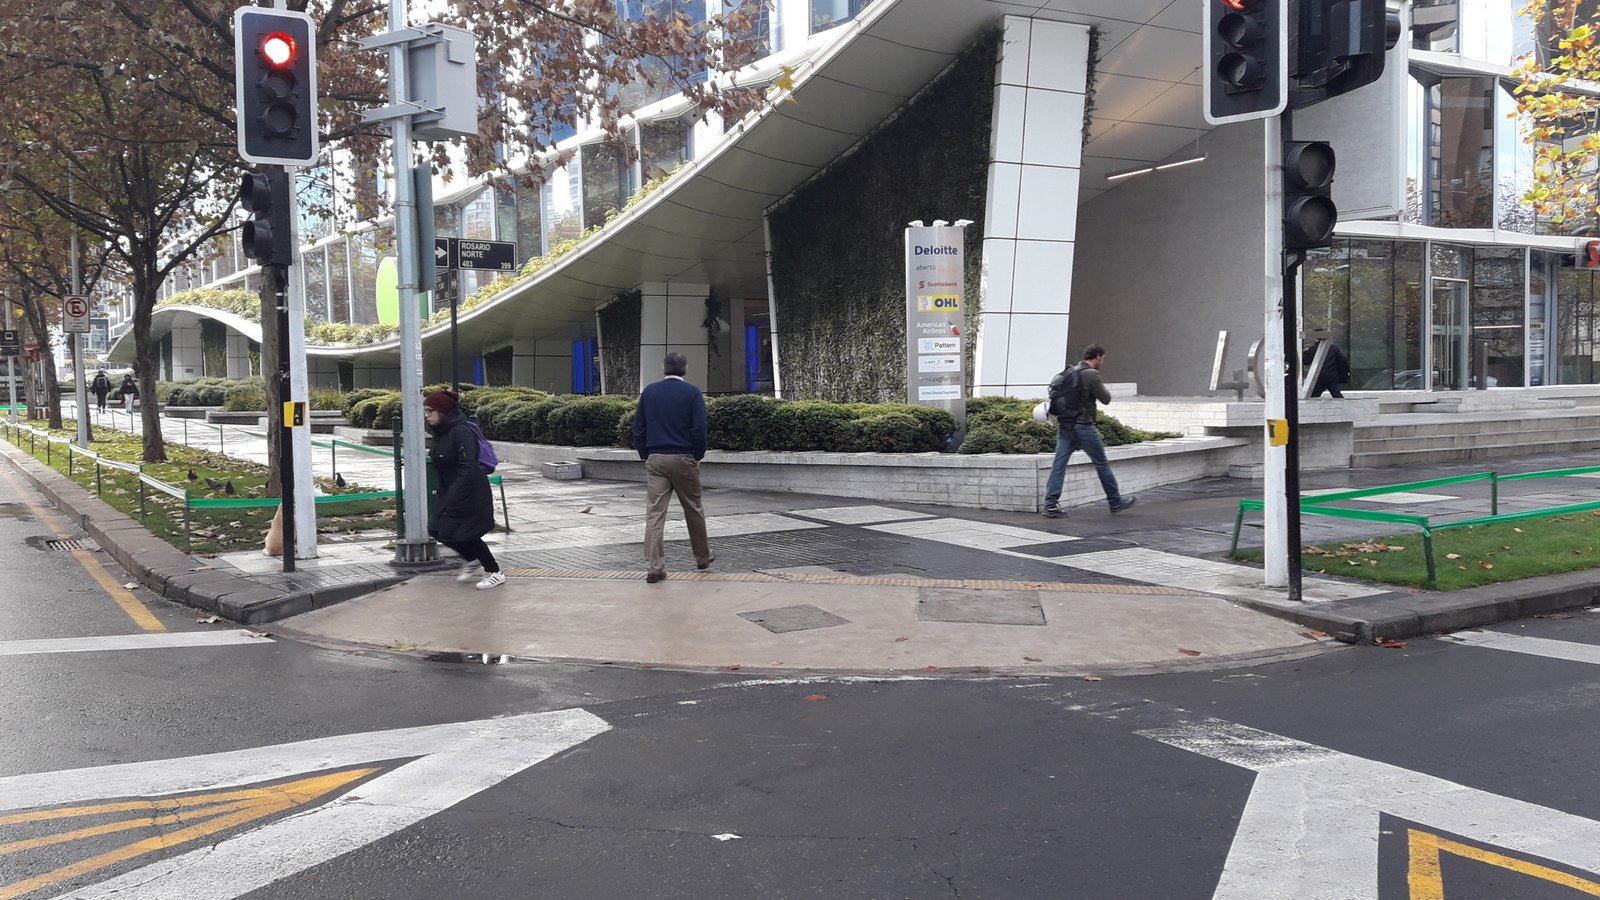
<point x="11" y="365"/>
<point x="1291" y="414"/>
<point x="415" y="546"/>
<point x="300" y="438"/>
<point x="1275" y="509"/>
<point x="80" y="391"/>
<point x="455" y="365"/>
<point x="280" y="288"/>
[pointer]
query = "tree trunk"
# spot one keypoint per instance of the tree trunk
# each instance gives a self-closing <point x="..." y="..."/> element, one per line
<point x="47" y="365"/>
<point x="147" y="363"/>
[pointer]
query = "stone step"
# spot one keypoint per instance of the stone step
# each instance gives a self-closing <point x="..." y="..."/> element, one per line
<point x="1486" y="428"/>
<point x="1493" y="451"/>
<point x="1590" y="435"/>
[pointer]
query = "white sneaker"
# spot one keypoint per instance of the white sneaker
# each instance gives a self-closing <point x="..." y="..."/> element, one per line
<point x="469" y="571"/>
<point x="493" y="579"/>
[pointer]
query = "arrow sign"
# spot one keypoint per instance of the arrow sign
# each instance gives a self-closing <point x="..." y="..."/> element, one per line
<point x="75" y="315"/>
<point x="444" y="253"/>
<point x="344" y="793"/>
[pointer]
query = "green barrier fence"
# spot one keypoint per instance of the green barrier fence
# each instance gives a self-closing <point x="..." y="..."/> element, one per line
<point x="1316" y="506"/>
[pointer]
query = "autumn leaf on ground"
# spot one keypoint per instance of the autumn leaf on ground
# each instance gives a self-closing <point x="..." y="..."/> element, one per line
<point x="901" y="640"/>
<point x="208" y="620"/>
<point x="130" y="585"/>
<point x="586" y="509"/>
<point x="1517" y="530"/>
<point x="402" y="646"/>
<point x="812" y="698"/>
<point x="1485" y="565"/>
<point x="1452" y="556"/>
<point x="734" y="668"/>
<point x="1392" y="645"/>
<point x="1031" y="659"/>
<point x="930" y="668"/>
<point x="1092" y="678"/>
<point x="1188" y="652"/>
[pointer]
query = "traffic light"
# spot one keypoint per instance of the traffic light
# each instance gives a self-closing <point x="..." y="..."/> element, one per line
<point x="1308" y="211"/>
<point x="275" y="84"/>
<point x="1247" y="59"/>
<point x="266" y="236"/>
<point x="1340" y="46"/>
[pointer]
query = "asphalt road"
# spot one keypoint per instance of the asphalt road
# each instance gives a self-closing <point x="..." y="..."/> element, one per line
<point x="229" y="765"/>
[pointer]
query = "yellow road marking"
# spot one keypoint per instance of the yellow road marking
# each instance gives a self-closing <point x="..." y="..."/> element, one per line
<point x="130" y="604"/>
<point x="1427" y="881"/>
<point x="219" y="812"/>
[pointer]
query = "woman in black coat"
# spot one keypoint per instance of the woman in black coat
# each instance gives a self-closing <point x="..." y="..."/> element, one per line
<point x="465" y="512"/>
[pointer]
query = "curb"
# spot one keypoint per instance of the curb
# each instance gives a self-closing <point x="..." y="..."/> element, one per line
<point x="1412" y="615"/>
<point x="168" y="571"/>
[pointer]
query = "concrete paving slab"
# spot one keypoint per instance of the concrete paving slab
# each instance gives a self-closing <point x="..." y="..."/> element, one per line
<point x="685" y="623"/>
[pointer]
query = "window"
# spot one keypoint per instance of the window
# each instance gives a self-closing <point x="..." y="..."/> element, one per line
<point x="827" y="14"/>
<point x="339" y="281"/>
<point x="605" y="183"/>
<point x="663" y="147"/>
<point x="563" y="202"/>
<point x="316" y="263"/>
<point x="1460" y="164"/>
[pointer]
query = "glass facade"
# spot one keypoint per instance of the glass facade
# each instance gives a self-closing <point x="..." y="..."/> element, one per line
<point x="827" y="14"/>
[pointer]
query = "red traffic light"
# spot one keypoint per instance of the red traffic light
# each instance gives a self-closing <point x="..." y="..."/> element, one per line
<point x="1239" y="5"/>
<point x="278" y="48"/>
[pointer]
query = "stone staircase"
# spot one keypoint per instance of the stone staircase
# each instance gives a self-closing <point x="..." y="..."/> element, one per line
<point x="1412" y="438"/>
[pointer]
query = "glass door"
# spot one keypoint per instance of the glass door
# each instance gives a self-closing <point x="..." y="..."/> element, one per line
<point x="1450" y="335"/>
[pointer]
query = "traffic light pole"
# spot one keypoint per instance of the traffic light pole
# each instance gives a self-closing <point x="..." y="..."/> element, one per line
<point x="1277" y="325"/>
<point x="280" y="296"/>
<point x="416" y="547"/>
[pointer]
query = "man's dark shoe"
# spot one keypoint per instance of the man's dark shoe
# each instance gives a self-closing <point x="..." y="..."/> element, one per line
<point x="653" y="577"/>
<point x="1053" y="512"/>
<point x="707" y="564"/>
<point x="1127" y="501"/>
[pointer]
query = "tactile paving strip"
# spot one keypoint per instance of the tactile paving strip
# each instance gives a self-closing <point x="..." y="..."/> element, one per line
<point x="860" y="580"/>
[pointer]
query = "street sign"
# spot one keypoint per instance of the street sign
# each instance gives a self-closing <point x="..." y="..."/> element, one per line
<point x="10" y="342"/>
<point x="444" y="253"/>
<point x="496" y="256"/>
<point x="75" y="315"/>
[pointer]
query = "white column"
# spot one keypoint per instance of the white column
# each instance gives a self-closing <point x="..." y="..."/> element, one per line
<point x="188" y="357"/>
<point x="1031" y="215"/>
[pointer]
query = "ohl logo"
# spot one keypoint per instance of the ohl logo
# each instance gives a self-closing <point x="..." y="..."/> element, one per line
<point x="938" y="302"/>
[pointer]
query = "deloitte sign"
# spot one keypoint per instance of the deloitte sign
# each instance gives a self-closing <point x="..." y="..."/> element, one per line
<point x="935" y="319"/>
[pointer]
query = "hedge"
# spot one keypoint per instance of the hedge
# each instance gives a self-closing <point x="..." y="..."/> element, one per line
<point x="751" y="422"/>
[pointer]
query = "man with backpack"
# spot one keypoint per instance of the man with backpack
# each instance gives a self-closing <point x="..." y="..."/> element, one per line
<point x="1072" y="401"/>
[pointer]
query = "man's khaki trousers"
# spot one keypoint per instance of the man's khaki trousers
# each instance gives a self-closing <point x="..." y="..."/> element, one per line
<point x="671" y="473"/>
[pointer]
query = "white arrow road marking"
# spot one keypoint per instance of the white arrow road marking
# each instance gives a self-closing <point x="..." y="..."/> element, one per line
<point x="1532" y="646"/>
<point x="454" y="761"/>
<point x="1310" y="829"/>
<point x="161" y="640"/>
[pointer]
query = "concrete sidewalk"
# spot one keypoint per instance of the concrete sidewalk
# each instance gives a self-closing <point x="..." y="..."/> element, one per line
<point x="813" y="583"/>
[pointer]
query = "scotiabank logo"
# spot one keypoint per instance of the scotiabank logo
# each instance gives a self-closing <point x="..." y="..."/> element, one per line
<point x="936" y="284"/>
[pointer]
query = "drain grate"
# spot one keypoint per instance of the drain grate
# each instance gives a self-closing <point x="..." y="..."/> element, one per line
<point x="69" y="544"/>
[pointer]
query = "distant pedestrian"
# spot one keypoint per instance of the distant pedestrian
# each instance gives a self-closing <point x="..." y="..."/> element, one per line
<point x="129" y="392"/>
<point x="1335" y="370"/>
<point x="1073" y="393"/>
<point x="465" y="511"/>
<point x="669" y="431"/>
<point x="100" y="387"/>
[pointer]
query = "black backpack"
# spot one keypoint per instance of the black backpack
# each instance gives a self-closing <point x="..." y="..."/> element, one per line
<point x="1066" y="395"/>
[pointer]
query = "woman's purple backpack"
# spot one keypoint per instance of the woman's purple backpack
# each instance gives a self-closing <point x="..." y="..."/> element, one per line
<point x="486" y="457"/>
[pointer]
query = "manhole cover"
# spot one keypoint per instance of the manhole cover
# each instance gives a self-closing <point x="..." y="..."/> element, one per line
<point x="802" y="617"/>
<point x="980" y="607"/>
<point x="71" y="544"/>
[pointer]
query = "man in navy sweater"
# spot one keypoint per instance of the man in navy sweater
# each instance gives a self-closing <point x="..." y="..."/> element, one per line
<point x="669" y="431"/>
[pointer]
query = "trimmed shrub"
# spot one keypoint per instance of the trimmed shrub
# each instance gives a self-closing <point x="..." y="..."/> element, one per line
<point x="589" y="421"/>
<point x="364" y="413"/>
<point x="514" y="422"/>
<point x="986" y="439"/>
<point x="938" y="426"/>
<point x="809" y="425"/>
<point x="982" y="411"/>
<point x="539" y="430"/>
<point x="489" y="414"/>
<point x="388" y="407"/>
<point x="739" y="422"/>
<point x="245" y="398"/>
<point x="625" y="428"/>
<point x="471" y="400"/>
<point x="357" y="396"/>
<point x="888" y="433"/>
<point x="1010" y="434"/>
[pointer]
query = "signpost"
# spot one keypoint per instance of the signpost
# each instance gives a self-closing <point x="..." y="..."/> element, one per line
<point x="453" y="254"/>
<point x="936" y="318"/>
<point x="75" y="315"/>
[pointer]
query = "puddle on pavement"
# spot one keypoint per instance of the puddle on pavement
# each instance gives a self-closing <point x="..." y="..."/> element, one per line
<point x="16" y="511"/>
<point x="490" y="659"/>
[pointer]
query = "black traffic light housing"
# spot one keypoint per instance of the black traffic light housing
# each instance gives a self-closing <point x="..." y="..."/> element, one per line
<point x="1338" y="46"/>
<point x="1308" y="211"/>
<point x="267" y="233"/>
<point x="1246" y="59"/>
<point x="275" y="85"/>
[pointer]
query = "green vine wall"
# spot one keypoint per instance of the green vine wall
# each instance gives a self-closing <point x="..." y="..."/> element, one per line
<point x="839" y="247"/>
<point x="620" y="332"/>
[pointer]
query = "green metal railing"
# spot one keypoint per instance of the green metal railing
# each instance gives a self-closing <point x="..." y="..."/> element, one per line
<point x="1317" y="506"/>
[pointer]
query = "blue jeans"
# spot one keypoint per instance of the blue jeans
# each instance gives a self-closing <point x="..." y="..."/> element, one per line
<point x="1080" y="436"/>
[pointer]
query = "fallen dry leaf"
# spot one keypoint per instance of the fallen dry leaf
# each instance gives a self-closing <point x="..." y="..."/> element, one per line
<point x="930" y="668"/>
<point x="734" y="668"/>
<point x="1452" y="556"/>
<point x="1092" y="678"/>
<point x="1553" y="615"/>
<point x="358" y="653"/>
<point x="586" y="509"/>
<point x="1485" y="565"/>
<point x="209" y="620"/>
<point x="1031" y="659"/>
<point x="1517" y="530"/>
<point x="1188" y="652"/>
<point x="901" y="640"/>
<point x="812" y="698"/>
<point x="257" y="634"/>
<point x="1392" y="645"/>
<point x="130" y="585"/>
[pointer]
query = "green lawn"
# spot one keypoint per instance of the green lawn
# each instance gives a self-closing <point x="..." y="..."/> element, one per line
<point x="1464" y="557"/>
<point x="210" y="530"/>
